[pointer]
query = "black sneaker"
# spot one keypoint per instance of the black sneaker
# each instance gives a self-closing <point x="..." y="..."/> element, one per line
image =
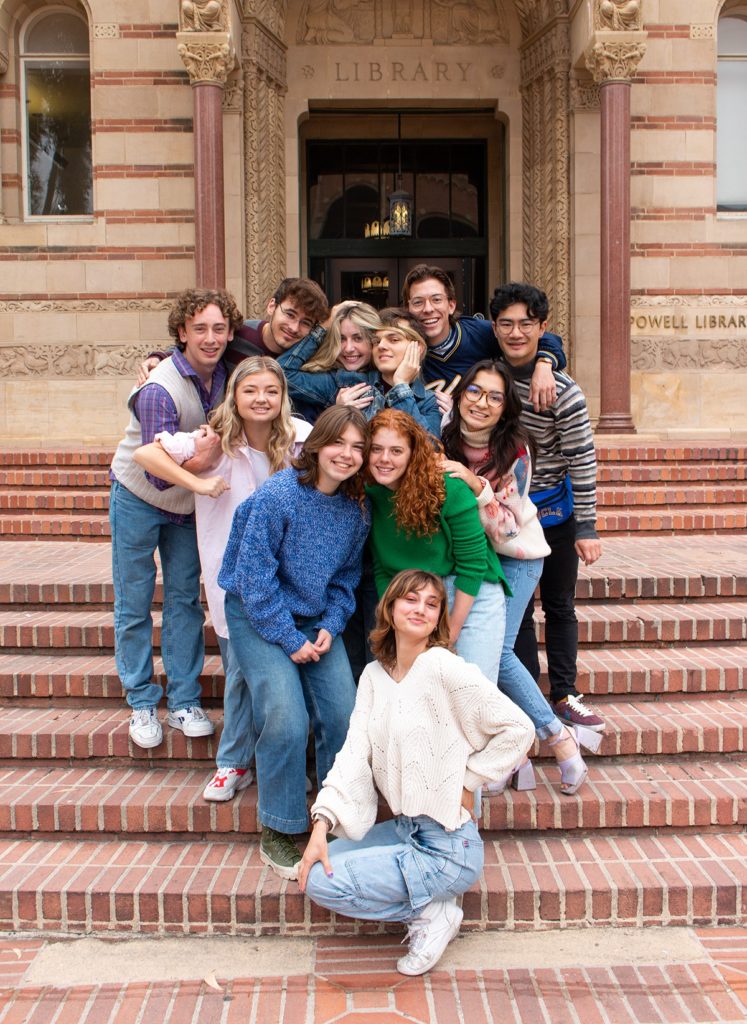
<point x="279" y="851"/>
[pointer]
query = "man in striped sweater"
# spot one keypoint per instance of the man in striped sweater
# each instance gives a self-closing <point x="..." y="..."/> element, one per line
<point x="564" y="490"/>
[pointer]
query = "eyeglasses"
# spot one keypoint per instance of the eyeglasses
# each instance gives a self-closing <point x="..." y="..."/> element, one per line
<point x="473" y="393"/>
<point x="525" y="326"/>
<point x="437" y="301"/>
<point x="292" y="317"/>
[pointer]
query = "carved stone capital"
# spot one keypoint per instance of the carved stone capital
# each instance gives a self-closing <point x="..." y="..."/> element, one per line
<point x="233" y="92"/>
<point x="264" y="54"/>
<point x="615" y="56"/>
<point x="584" y="94"/>
<point x="207" y="56"/>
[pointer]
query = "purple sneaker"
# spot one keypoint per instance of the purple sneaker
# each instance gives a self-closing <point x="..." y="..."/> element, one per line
<point x="572" y="710"/>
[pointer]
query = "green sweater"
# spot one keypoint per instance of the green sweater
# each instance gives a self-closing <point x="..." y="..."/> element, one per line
<point x="459" y="547"/>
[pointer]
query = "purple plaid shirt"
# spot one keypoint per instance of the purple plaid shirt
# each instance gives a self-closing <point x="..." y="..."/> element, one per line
<point x="155" y="409"/>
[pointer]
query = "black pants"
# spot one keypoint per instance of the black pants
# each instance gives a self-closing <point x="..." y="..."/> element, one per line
<point x="557" y="595"/>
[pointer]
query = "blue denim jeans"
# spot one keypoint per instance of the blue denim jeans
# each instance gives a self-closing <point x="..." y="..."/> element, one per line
<point x="284" y="696"/>
<point x="481" y="638"/>
<point x="514" y="680"/>
<point x="138" y="530"/>
<point x="238" y="739"/>
<point x="398" y="868"/>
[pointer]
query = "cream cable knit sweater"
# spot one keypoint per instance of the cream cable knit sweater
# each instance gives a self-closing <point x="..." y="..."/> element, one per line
<point x="421" y="741"/>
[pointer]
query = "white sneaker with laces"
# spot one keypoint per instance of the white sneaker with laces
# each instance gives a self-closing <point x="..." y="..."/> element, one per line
<point x="227" y="782"/>
<point x="145" y="729"/>
<point x="429" y="935"/>
<point x="192" y="721"/>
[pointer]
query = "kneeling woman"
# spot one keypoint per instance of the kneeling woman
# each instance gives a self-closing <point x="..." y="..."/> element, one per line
<point x="290" y="570"/>
<point x="428" y="730"/>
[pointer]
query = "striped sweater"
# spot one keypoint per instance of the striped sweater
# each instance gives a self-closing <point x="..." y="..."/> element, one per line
<point x="565" y="445"/>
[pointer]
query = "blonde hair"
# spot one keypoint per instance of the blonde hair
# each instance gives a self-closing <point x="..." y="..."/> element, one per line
<point x="382" y="638"/>
<point x="226" y="422"/>
<point x="365" y="318"/>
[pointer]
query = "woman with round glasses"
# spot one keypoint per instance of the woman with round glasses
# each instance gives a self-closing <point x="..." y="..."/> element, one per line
<point x="491" y="452"/>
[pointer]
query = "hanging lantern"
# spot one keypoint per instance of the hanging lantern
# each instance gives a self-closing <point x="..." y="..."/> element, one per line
<point x="400" y="212"/>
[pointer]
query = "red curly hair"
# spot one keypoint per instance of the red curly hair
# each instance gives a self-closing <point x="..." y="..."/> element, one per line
<point x="422" y="492"/>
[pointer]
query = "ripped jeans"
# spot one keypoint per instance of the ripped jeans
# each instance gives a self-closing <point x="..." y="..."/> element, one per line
<point x="398" y="868"/>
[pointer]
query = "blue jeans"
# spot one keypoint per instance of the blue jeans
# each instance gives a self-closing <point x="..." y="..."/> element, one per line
<point x="481" y="638"/>
<point x="238" y="739"/>
<point x="284" y="696"/>
<point x="514" y="680"/>
<point x="138" y="529"/>
<point x="397" y="869"/>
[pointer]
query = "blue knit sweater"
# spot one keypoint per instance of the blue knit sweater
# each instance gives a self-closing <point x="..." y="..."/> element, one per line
<point x="294" y="553"/>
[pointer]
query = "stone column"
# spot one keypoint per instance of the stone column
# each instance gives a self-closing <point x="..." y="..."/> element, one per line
<point x="4" y="62"/>
<point x="612" y="58"/>
<point x="204" y="45"/>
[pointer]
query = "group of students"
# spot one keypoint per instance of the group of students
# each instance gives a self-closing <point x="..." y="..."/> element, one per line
<point x="370" y="566"/>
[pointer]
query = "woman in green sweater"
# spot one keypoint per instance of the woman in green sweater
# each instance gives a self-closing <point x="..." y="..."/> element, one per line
<point x="424" y="519"/>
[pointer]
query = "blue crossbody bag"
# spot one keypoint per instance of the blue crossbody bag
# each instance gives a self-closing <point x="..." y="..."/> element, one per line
<point x="555" y="504"/>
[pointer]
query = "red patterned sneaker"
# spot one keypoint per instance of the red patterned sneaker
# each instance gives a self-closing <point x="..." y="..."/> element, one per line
<point x="572" y="710"/>
<point x="226" y="783"/>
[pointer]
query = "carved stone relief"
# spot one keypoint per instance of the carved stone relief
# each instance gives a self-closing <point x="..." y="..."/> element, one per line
<point x="233" y="92"/>
<point x="692" y="315"/>
<point x="203" y="16"/>
<point x="270" y="13"/>
<point x="80" y="361"/>
<point x="545" y="67"/>
<point x="618" y="15"/>
<point x="264" y="69"/>
<point x="207" y="60"/>
<point x="692" y="354"/>
<point x="584" y="94"/>
<point x="475" y="23"/>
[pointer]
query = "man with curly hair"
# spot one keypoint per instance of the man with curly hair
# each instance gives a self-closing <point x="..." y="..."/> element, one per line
<point x="148" y="514"/>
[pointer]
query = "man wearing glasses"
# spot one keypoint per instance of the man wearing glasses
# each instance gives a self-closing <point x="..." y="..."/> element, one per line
<point x="455" y="345"/>
<point x="564" y="490"/>
<point x="294" y="310"/>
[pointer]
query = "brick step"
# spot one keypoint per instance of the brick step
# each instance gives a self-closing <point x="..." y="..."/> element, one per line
<point x="642" y="622"/>
<point x="696" y="519"/>
<point x="54" y="501"/>
<point x="53" y="527"/>
<point x="128" y="801"/>
<point x="705" y="726"/>
<point x="651" y="472"/>
<point x="84" y="678"/>
<point x="655" y="495"/>
<point x="78" y="456"/>
<point x="218" y="887"/>
<point x="59" y="629"/>
<point x="653" y="670"/>
<point x="656" y="623"/>
<point x="80" y="479"/>
<point x="664" y="451"/>
<point x="87" y="678"/>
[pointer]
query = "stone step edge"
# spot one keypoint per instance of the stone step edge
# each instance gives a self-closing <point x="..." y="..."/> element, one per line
<point x="138" y="886"/>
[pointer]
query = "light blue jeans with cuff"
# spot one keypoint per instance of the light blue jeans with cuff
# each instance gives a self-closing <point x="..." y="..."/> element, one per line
<point x="138" y="531"/>
<point x="522" y="576"/>
<point x="481" y="638"/>
<point x="239" y="737"/>
<point x="397" y="869"/>
<point x="284" y="697"/>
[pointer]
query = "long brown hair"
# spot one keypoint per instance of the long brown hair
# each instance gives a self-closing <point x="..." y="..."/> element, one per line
<point x="382" y="639"/>
<point x="329" y="426"/>
<point x="422" y="492"/>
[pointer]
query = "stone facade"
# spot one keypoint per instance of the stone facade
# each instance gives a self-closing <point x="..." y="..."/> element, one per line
<point x="81" y="298"/>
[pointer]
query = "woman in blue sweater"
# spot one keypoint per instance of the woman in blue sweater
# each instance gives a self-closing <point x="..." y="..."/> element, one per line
<point x="290" y="570"/>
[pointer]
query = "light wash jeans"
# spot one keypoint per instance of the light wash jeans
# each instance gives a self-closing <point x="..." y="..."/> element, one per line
<point x="138" y="529"/>
<point x="398" y="868"/>
<point x="238" y="739"/>
<point x="283" y="698"/>
<point x="481" y="638"/>
<point x="513" y="679"/>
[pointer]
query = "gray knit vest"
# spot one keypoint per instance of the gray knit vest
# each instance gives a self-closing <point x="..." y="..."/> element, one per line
<point x="191" y="415"/>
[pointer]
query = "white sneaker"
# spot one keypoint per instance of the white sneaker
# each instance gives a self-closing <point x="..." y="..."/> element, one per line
<point x="429" y="936"/>
<point x="226" y="783"/>
<point x="145" y="729"/>
<point x="192" y="721"/>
